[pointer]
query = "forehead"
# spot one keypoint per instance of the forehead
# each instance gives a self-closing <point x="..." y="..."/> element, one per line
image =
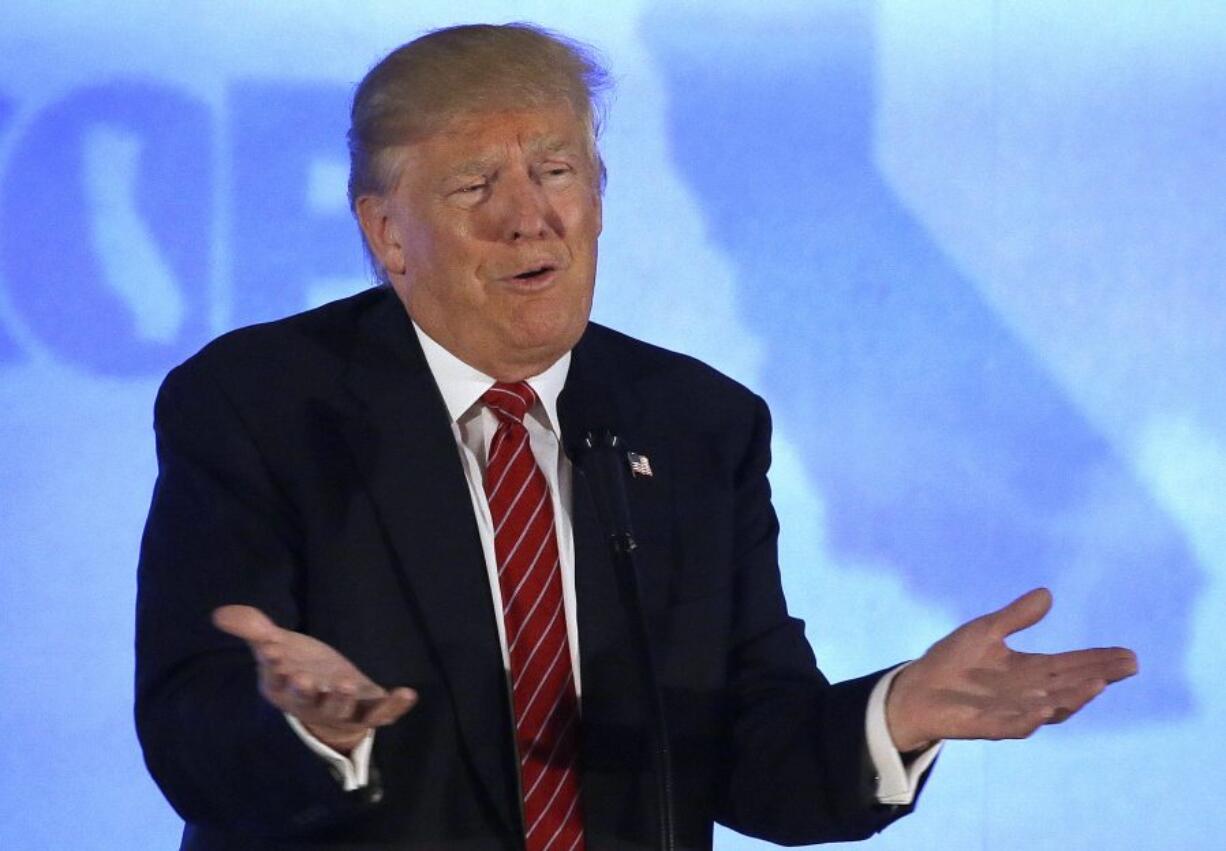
<point x="469" y="141"/>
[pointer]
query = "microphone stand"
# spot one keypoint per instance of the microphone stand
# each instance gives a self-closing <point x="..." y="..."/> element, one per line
<point x="604" y="461"/>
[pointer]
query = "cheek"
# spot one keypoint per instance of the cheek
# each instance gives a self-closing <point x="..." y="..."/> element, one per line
<point x="463" y="253"/>
<point x="448" y="260"/>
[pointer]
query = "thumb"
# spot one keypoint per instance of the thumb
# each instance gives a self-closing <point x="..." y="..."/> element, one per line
<point x="245" y="622"/>
<point x="1025" y="611"/>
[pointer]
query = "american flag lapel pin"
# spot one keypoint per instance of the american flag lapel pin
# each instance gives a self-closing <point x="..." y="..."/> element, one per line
<point x="640" y="465"/>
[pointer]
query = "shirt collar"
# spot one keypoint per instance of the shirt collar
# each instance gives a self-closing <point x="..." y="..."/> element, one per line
<point x="462" y="385"/>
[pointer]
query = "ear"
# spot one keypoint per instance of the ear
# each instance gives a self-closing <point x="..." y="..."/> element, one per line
<point x="598" y="196"/>
<point x="382" y="234"/>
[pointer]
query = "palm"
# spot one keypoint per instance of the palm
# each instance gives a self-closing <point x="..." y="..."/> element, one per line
<point x="971" y="685"/>
<point x="310" y="680"/>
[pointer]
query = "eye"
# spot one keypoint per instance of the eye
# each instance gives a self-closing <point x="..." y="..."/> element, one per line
<point x="554" y="171"/>
<point x="470" y="194"/>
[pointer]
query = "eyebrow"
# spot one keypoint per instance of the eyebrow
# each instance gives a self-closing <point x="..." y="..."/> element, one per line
<point x="471" y="167"/>
<point x="553" y="145"/>
<point x="481" y="165"/>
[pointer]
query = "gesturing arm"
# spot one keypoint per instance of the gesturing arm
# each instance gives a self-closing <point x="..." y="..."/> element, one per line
<point x="971" y="685"/>
<point x="803" y="772"/>
<point x="219" y="532"/>
<point x="305" y="678"/>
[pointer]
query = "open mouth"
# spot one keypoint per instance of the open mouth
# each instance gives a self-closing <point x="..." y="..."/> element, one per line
<point x="532" y="274"/>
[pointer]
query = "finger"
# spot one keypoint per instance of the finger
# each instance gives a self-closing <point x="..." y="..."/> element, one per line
<point x="1025" y="611"/>
<point x="271" y="654"/>
<point x="273" y="684"/>
<point x="1055" y="664"/>
<point x="1015" y="723"/>
<point x="389" y="708"/>
<point x="338" y="707"/>
<point x="1067" y="702"/>
<point x="292" y="693"/>
<point x="245" y="622"/>
<point x="1110" y="667"/>
<point x="1125" y="665"/>
<point x="303" y="688"/>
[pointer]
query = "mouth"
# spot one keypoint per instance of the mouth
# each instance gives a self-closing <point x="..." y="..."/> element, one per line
<point x="534" y="277"/>
<point x="534" y="273"/>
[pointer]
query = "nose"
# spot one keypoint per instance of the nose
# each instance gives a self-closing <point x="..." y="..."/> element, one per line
<point x="526" y="212"/>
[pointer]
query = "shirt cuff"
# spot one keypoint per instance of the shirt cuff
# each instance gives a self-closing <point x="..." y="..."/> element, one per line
<point x="352" y="771"/>
<point x="896" y="782"/>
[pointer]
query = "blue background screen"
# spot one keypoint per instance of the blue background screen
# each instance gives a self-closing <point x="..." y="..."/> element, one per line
<point x="971" y="252"/>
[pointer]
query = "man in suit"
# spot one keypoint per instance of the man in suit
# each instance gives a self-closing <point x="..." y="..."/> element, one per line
<point x="377" y="500"/>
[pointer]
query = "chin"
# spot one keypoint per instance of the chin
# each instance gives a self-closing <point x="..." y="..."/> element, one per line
<point x="537" y="345"/>
<point x="548" y="328"/>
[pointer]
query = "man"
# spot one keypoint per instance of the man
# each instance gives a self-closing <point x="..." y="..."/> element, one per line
<point x="377" y="500"/>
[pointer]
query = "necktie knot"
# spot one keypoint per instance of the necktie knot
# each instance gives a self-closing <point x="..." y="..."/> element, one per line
<point x="510" y="401"/>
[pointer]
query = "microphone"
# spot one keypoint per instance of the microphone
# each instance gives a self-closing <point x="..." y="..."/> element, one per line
<point x="601" y="458"/>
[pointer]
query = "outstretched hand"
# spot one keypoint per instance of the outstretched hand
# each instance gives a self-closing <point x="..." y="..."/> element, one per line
<point x="308" y="679"/>
<point x="970" y="685"/>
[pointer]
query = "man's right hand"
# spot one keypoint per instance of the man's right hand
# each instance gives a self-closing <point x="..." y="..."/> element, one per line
<point x="306" y="678"/>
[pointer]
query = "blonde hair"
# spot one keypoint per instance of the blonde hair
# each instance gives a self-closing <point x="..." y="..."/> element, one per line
<point x="421" y="85"/>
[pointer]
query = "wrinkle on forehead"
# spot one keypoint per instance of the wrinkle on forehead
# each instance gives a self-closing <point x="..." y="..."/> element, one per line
<point x="471" y="149"/>
<point x="535" y="145"/>
<point x="478" y="150"/>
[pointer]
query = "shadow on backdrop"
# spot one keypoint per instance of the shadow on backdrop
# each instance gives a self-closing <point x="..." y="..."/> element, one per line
<point x="8" y="347"/>
<point x="943" y="448"/>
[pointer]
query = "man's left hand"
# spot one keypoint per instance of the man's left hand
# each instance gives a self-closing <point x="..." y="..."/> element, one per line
<point x="970" y="685"/>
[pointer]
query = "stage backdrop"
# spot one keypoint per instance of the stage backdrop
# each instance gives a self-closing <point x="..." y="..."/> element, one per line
<point x="971" y="252"/>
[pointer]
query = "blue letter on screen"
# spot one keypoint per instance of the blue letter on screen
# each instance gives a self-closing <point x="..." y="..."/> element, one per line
<point x="106" y="227"/>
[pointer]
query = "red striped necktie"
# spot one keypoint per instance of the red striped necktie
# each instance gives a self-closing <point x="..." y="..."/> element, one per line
<point x="542" y="683"/>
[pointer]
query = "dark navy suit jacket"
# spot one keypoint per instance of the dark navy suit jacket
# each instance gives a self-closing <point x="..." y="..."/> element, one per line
<point x="307" y="467"/>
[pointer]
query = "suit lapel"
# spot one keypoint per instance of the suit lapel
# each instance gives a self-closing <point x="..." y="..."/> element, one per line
<point x="400" y="435"/>
<point x="401" y="438"/>
<point x="617" y="787"/>
<point x="597" y="396"/>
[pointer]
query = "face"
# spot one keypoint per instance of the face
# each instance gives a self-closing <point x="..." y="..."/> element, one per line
<point x="489" y="237"/>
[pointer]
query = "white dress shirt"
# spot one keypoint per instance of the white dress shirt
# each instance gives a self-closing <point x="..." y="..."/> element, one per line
<point x="473" y="426"/>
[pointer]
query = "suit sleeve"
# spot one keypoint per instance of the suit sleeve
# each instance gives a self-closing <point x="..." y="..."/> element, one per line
<point x="798" y="769"/>
<point x="219" y="532"/>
